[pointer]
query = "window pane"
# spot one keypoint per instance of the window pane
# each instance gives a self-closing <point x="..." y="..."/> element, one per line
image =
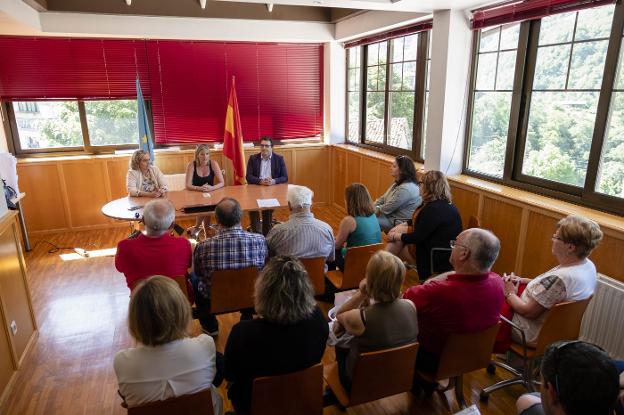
<point x="397" y="49"/>
<point x="381" y="78"/>
<point x="383" y="53"/>
<point x="610" y="179"/>
<point x="409" y="48"/>
<point x="489" y="40"/>
<point x="488" y="138"/>
<point x="409" y="76"/>
<point x="396" y="76"/>
<point x="561" y="126"/>
<point x="375" y="116"/>
<point x="48" y="124"/>
<point x="354" y="117"/>
<point x="401" y="120"/>
<point x="486" y="71"/>
<point x="619" y="80"/>
<point x="509" y="36"/>
<point x="557" y="28"/>
<point x="587" y="67"/>
<point x="112" y="122"/>
<point x="594" y="23"/>
<point x="354" y="57"/>
<point x="373" y="54"/>
<point x="551" y="67"/>
<point x="371" y="78"/>
<point x="506" y="70"/>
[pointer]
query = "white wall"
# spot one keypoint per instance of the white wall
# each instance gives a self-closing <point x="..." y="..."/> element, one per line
<point x="334" y="101"/>
<point x="450" y="68"/>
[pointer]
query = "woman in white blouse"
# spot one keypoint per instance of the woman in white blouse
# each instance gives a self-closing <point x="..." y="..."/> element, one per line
<point x="573" y="279"/>
<point x="167" y="362"/>
<point x="144" y="179"/>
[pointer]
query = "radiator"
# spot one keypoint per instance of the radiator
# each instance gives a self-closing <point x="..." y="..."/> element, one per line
<point x="603" y="322"/>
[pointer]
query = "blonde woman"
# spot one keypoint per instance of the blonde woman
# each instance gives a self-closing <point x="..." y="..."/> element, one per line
<point x="144" y="179"/>
<point x="436" y="223"/>
<point x="376" y="315"/>
<point x="203" y="175"/>
<point x="167" y="362"/>
<point x="289" y="336"/>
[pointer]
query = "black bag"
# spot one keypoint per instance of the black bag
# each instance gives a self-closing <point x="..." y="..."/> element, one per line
<point x="9" y="193"/>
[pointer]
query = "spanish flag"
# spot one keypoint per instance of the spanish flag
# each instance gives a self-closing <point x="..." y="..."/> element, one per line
<point x="233" y="138"/>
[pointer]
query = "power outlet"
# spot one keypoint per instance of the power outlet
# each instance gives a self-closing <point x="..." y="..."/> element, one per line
<point x="13" y="327"/>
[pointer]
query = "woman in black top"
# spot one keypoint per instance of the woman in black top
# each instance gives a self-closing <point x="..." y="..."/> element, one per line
<point x="436" y="223"/>
<point x="203" y="175"/>
<point x="290" y="335"/>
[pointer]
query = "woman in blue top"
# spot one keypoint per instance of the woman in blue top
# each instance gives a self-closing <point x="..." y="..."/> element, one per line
<point x="360" y="227"/>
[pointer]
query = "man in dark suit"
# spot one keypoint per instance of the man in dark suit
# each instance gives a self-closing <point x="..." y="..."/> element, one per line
<point x="265" y="168"/>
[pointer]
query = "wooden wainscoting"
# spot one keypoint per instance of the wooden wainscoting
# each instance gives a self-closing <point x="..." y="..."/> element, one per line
<point x="523" y="221"/>
<point x="67" y="193"/>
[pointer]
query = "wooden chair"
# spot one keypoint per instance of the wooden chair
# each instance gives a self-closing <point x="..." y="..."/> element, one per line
<point x="182" y="283"/>
<point x="316" y="271"/>
<point x="197" y="403"/>
<point x="463" y="353"/>
<point x="563" y="322"/>
<point x="376" y="375"/>
<point x="232" y="290"/>
<point x="356" y="260"/>
<point x="298" y="393"/>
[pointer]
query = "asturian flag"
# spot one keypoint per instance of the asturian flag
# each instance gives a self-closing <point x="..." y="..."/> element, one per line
<point x="233" y="138"/>
<point x="145" y="135"/>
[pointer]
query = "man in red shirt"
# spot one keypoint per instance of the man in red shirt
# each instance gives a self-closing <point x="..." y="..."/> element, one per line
<point x="155" y="252"/>
<point x="464" y="301"/>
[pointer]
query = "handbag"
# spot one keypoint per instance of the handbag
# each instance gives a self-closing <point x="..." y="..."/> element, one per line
<point x="9" y="193"/>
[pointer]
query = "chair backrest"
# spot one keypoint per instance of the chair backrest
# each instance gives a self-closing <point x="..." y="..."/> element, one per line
<point x="232" y="290"/>
<point x="316" y="271"/>
<point x="465" y="352"/>
<point x="563" y="322"/>
<point x="298" y="393"/>
<point x="356" y="260"/>
<point x="383" y="373"/>
<point x="438" y="253"/>
<point x="175" y="181"/>
<point x="197" y="403"/>
<point x="473" y="222"/>
<point x="181" y="281"/>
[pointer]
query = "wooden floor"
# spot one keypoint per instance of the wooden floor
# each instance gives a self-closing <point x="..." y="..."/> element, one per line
<point x="81" y="309"/>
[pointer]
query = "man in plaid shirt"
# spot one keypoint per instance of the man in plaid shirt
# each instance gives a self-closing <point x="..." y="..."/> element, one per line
<point x="231" y="248"/>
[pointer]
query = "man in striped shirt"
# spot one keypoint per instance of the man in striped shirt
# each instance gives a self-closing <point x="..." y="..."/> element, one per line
<point x="231" y="248"/>
<point x="302" y="236"/>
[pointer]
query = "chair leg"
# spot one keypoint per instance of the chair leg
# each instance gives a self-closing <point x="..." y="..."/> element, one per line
<point x="459" y="391"/>
<point x="528" y="376"/>
<point x="485" y="393"/>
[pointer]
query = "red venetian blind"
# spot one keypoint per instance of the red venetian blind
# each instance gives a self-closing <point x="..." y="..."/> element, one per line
<point x="517" y="11"/>
<point x="392" y="34"/>
<point x="61" y="68"/>
<point x="279" y="88"/>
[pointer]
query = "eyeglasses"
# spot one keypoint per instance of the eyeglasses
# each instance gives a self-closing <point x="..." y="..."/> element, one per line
<point x="453" y="243"/>
<point x="265" y="145"/>
<point x="557" y="353"/>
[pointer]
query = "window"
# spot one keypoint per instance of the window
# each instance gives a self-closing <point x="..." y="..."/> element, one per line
<point x="386" y="93"/>
<point x="353" y="93"/>
<point x="426" y="103"/>
<point x="73" y="125"/>
<point x="543" y="113"/>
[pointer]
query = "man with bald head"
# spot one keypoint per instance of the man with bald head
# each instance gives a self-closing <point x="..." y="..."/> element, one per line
<point x="467" y="300"/>
<point x="154" y="252"/>
<point x="230" y="248"/>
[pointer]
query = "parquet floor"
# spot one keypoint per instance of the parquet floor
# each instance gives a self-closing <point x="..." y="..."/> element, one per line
<point x="81" y="308"/>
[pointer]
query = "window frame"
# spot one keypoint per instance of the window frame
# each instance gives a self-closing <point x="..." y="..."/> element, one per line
<point x="524" y="73"/>
<point x="422" y="43"/>
<point x="14" y="144"/>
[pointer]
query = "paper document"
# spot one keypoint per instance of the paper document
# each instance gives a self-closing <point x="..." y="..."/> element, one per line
<point x="471" y="410"/>
<point x="206" y="194"/>
<point x="267" y="203"/>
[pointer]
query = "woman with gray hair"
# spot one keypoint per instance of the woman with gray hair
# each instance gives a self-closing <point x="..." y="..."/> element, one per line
<point x="144" y="179"/>
<point x="289" y="336"/>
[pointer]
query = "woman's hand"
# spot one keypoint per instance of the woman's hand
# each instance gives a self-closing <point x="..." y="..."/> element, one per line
<point x="205" y="188"/>
<point x="394" y="236"/>
<point x="362" y="287"/>
<point x="511" y="284"/>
